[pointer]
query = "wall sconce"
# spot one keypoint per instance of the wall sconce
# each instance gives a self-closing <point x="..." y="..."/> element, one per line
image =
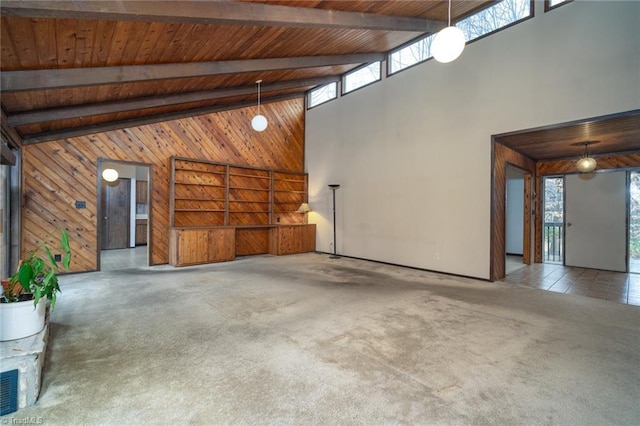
<point x="110" y="175"/>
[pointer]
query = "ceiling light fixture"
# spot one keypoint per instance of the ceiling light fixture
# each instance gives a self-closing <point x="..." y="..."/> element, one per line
<point x="449" y="43"/>
<point x="259" y="122"/>
<point x="110" y="175"/>
<point x="586" y="164"/>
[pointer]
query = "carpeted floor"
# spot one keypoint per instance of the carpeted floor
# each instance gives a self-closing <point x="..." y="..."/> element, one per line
<point x="308" y="340"/>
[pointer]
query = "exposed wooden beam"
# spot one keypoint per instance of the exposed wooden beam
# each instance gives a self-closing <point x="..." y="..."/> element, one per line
<point x="63" y="113"/>
<point x="134" y="122"/>
<point x="7" y="156"/>
<point x="215" y="12"/>
<point x="15" y="81"/>
<point x="9" y="134"/>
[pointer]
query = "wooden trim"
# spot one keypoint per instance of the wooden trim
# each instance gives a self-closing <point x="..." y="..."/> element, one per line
<point x="9" y="134"/>
<point x="7" y="156"/>
<point x="62" y="113"/>
<point x="17" y="81"/>
<point x="217" y="12"/>
<point x="134" y="122"/>
<point x="502" y="155"/>
<point x="526" y="232"/>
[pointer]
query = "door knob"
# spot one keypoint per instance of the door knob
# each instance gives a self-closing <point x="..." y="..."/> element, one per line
<point x="568" y="224"/>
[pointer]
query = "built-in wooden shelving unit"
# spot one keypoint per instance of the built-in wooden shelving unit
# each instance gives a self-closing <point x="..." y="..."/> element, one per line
<point x="219" y="211"/>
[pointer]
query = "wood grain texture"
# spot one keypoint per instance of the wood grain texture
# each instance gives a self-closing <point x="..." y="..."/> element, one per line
<point x="502" y="156"/>
<point x="250" y="241"/>
<point x="563" y="167"/>
<point x="292" y="239"/>
<point x="56" y="174"/>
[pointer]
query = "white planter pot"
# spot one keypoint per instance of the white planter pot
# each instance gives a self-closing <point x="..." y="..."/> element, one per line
<point x="20" y="319"/>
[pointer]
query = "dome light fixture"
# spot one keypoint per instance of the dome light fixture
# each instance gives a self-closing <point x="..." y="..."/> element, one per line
<point x="110" y="175"/>
<point x="259" y="122"/>
<point x="586" y="164"/>
<point x="449" y="43"/>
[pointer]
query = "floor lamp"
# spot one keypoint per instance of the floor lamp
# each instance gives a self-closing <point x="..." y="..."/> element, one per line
<point x="333" y="188"/>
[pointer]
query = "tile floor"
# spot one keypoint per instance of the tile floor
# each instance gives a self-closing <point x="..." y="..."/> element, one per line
<point x="114" y="260"/>
<point x="615" y="286"/>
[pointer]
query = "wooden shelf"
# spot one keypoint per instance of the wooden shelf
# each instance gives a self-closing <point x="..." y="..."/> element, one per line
<point x="200" y="171"/>
<point x="217" y="185"/>
<point x="222" y="184"/>
<point x="249" y="176"/>
<point x="200" y="210"/>
<point x="245" y="188"/>
<point x="198" y="199"/>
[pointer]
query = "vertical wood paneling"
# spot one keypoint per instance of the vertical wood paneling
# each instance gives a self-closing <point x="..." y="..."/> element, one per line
<point x="501" y="156"/>
<point x="56" y="174"/>
<point x="562" y="167"/>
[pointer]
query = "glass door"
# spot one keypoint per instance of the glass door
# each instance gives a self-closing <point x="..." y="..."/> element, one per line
<point x="553" y="225"/>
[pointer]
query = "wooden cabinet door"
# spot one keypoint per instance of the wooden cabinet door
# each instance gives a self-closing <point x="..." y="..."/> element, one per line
<point x="141" y="231"/>
<point x="141" y="192"/>
<point x="192" y="247"/>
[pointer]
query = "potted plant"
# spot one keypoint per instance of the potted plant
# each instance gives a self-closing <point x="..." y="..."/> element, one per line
<point x="22" y="308"/>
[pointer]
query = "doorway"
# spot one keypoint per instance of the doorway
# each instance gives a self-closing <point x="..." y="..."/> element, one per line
<point x="553" y="220"/>
<point x="515" y="219"/>
<point x="124" y="211"/>
<point x="634" y="222"/>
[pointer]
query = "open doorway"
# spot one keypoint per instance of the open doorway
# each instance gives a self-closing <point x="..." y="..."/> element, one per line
<point x="553" y="220"/>
<point x="514" y="219"/>
<point x="124" y="212"/>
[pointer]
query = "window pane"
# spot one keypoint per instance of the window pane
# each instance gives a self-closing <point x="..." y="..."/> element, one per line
<point x="362" y="77"/>
<point x="323" y="94"/>
<point x="555" y="2"/>
<point x="495" y="17"/>
<point x="416" y="52"/>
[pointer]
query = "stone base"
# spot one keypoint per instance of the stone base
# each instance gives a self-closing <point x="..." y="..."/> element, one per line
<point x="27" y="356"/>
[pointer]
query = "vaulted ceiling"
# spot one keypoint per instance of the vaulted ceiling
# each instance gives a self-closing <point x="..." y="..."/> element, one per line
<point x="71" y="68"/>
<point x="77" y="67"/>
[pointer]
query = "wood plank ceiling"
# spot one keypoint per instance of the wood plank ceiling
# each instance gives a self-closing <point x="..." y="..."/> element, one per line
<point x="78" y="67"/>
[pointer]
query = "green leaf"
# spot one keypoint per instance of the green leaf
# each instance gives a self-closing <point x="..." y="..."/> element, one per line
<point x="66" y="260"/>
<point x="25" y="275"/>
<point x="50" y="256"/>
<point x="64" y="240"/>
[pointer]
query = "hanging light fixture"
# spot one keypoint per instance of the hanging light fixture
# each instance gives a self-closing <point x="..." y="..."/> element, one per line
<point x="259" y="122"/>
<point x="449" y="43"/>
<point x="586" y="164"/>
<point x="110" y="175"/>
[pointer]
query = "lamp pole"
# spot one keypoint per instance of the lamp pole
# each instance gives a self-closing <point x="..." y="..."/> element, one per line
<point x="333" y="188"/>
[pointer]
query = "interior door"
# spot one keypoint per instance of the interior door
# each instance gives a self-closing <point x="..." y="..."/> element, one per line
<point x="116" y="212"/>
<point x="595" y="221"/>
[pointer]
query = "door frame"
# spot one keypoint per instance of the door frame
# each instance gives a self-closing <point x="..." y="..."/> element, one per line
<point x="149" y="166"/>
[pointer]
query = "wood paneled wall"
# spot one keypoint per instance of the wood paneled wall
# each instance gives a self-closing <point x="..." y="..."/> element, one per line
<point x="563" y="167"/>
<point x="57" y="174"/>
<point x="502" y="156"/>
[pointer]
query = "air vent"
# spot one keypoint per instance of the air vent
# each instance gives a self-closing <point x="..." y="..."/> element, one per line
<point x="8" y="392"/>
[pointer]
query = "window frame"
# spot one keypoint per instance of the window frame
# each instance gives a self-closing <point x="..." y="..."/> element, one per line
<point x="343" y="85"/>
<point x="309" y="106"/>
<point x="548" y="6"/>
<point x="404" y="46"/>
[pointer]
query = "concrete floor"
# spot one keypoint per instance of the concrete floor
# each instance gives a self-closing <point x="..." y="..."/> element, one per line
<point x="307" y="340"/>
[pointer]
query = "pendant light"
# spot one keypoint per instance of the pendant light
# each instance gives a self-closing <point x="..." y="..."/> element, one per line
<point x="586" y="164"/>
<point x="449" y="43"/>
<point x="110" y="175"/>
<point x="259" y="122"/>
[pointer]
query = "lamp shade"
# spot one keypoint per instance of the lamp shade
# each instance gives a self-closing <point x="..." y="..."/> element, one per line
<point x="586" y="165"/>
<point x="110" y="175"/>
<point x="259" y="123"/>
<point x="448" y="44"/>
<point x="304" y="208"/>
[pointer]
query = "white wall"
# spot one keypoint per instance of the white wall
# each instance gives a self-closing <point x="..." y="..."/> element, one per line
<point x="413" y="152"/>
<point x="514" y="217"/>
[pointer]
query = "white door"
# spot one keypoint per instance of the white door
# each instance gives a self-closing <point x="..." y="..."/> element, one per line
<point x="595" y="221"/>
